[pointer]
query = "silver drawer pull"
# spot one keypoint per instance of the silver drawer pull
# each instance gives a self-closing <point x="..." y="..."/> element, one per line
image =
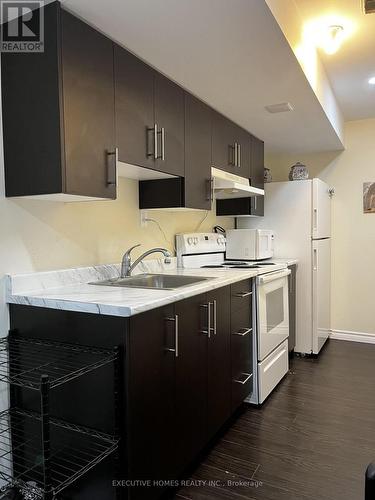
<point x="175" y="350"/>
<point x="243" y="331"/>
<point x="242" y="295"/>
<point x="243" y="382"/>
<point x="214" y="303"/>
<point x="209" y="329"/>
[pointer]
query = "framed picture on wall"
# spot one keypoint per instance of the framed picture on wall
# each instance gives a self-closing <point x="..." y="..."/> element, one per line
<point x="369" y="197"/>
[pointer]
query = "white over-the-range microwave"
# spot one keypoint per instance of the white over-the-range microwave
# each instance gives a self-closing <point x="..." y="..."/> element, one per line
<point x="249" y="244"/>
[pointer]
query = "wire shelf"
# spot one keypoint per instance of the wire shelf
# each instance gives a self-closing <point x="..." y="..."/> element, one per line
<point x="23" y="361"/>
<point x="74" y="451"/>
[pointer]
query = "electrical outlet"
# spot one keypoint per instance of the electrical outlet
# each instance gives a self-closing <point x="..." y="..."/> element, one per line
<point x="143" y="218"/>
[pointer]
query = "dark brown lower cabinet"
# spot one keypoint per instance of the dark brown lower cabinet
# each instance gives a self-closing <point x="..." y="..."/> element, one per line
<point x="241" y="341"/>
<point x="183" y="377"/>
<point x="191" y="380"/>
<point x="151" y="401"/>
<point x="218" y="362"/>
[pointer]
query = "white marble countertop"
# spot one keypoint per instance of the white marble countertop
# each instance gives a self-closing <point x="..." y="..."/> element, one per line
<point x="70" y="289"/>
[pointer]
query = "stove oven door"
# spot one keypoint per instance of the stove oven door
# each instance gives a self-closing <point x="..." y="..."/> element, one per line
<point x="273" y="311"/>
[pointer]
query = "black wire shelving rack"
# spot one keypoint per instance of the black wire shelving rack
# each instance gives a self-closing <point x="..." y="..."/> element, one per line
<point x="40" y="456"/>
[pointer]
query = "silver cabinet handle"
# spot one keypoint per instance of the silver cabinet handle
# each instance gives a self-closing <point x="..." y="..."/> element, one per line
<point x="153" y="153"/>
<point x="175" y="320"/>
<point x="243" y="331"/>
<point x="208" y="331"/>
<point x="156" y="156"/>
<point x="210" y="190"/>
<point x="242" y="295"/>
<point x="214" y="303"/>
<point x="112" y="167"/>
<point x="235" y="154"/>
<point x="239" y="155"/>
<point x="232" y="154"/>
<point x="243" y="382"/>
<point x="160" y="132"/>
<point x="163" y="144"/>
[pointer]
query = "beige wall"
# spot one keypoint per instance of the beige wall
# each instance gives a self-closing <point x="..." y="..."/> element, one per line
<point x="353" y="250"/>
<point x="41" y="235"/>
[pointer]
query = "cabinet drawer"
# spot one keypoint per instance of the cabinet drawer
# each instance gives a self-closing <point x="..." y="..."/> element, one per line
<point x="241" y="319"/>
<point x="241" y="295"/>
<point x="272" y="369"/>
<point x="242" y="365"/>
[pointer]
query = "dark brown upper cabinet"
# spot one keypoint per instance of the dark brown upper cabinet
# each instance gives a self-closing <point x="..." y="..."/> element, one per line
<point x="253" y="206"/>
<point x="198" y="131"/>
<point x="169" y="120"/>
<point x="195" y="189"/>
<point x="58" y="113"/>
<point x="257" y="163"/>
<point x="149" y="116"/>
<point x="231" y="146"/>
<point x="134" y="109"/>
<point x="237" y="207"/>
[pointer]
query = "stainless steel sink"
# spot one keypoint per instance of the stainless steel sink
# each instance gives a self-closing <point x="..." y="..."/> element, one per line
<point x="156" y="281"/>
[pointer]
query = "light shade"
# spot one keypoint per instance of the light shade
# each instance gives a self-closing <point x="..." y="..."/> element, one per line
<point x="372" y="80"/>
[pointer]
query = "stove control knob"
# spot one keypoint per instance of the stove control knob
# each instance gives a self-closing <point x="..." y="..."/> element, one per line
<point x="196" y="240"/>
<point x="190" y="240"/>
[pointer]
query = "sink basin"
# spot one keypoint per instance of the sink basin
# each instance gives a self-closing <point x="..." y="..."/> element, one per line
<point x="155" y="281"/>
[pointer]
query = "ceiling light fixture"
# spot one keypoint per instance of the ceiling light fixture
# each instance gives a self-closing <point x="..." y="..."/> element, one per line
<point x="328" y="33"/>
<point x="372" y="81"/>
<point x="334" y="38"/>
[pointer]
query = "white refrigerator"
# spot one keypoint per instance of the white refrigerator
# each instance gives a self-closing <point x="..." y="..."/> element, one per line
<point x="299" y="213"/>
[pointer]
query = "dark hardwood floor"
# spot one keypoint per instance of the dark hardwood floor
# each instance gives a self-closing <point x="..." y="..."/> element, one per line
<point x="311" y="440"/>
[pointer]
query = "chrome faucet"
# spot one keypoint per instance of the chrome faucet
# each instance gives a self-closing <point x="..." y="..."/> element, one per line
<point x="127" y="266"/>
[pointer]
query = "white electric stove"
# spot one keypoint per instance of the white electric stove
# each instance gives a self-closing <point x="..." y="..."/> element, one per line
<point x="270" y="301"/>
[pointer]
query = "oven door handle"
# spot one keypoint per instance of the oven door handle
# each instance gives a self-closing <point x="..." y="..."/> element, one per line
<point x="273" y="276"/>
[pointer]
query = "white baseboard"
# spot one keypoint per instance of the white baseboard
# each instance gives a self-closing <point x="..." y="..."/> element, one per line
<point x="366" y="338"/>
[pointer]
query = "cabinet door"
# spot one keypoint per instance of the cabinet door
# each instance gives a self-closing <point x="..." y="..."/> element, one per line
<point x="219" y="362"/>
<point x="241" y="342"/>
<point x="191" y="380"/>
<point x="88" y="101"/>
<point x="257" y="206"/>
<point x="169" y="117"/>
<point x="151" y="382"/>
<point x="257" y="163"/>
<point x="243" y="140"/>
<point x="223" y="139"/>
<point x="292" y="307"/>
<point x="134" y="109"/>
<point x="197" y="154"/>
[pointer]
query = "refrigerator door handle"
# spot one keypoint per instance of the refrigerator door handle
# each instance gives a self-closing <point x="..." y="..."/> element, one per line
<point x="315" y="222"/>
<point x="315" y="264"/>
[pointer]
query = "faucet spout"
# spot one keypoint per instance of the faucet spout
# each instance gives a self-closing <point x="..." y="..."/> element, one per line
<point x="127" y="267"/>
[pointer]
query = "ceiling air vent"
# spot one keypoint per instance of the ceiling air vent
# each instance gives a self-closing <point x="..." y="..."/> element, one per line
<point x="369" y="6"/>
<point x="282" y="107"/>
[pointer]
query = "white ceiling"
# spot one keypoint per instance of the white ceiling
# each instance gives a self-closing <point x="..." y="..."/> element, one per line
<point x="351" y="67"/>
<point x="232" y="54"/>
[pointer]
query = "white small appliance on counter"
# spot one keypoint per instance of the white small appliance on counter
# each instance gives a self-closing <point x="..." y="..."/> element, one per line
<point x="270" y="303"/>
<point x="249" y="244"/>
